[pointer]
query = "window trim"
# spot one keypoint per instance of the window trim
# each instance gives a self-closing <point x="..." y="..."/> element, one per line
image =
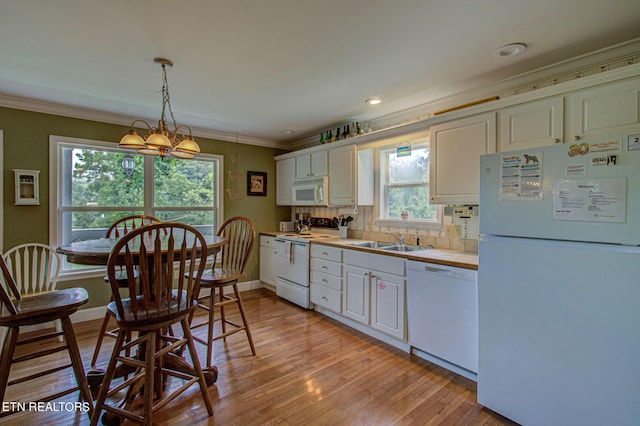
<point x="381" y="196"/>
<point x="55" y="173"/>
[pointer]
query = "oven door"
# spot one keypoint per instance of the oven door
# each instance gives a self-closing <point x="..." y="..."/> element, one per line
<point x="292" y="263"/>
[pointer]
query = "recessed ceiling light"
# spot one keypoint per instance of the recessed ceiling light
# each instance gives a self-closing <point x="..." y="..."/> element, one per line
<point x="373" y="101"/>
<point x="287" y="132"/>
<point x="509" y="50"/>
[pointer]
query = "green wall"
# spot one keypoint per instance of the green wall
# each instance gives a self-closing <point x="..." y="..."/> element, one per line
<point x="26" y="146"/>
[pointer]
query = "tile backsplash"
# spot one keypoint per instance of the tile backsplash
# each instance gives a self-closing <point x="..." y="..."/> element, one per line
<point x="363" y="227"/>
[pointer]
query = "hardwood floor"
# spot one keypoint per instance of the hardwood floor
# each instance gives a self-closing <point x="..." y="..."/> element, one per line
<point x="309" y="370"/>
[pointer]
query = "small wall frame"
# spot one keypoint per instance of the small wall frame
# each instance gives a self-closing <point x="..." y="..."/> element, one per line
<point x="27" y="187"/>
<point x="256" y="183"/>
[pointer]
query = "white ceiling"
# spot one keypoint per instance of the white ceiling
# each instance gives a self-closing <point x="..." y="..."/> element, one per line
<point x="257" y="68"/>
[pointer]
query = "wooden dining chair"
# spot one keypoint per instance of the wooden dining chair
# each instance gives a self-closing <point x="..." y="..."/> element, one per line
<point x="170" y="258"/>
<point x="233" y="258"/>
<point x="116" y="230"/>
<point x="18" y="311"/>
<point x="35" y="268"/>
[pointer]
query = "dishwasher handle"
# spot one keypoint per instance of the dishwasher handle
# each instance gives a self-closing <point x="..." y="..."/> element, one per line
<point x="434" y="270"/>
<point x="441" y="271"/>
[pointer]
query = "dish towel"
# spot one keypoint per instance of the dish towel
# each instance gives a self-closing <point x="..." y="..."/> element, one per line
<point x="288" y="252"/>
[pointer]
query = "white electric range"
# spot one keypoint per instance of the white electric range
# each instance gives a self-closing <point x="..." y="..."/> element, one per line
<point x="292" y="266"/>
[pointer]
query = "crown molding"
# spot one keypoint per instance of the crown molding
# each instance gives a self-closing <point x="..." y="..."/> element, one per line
<point x="111" y="118"/>
<point x="606" y="62"/>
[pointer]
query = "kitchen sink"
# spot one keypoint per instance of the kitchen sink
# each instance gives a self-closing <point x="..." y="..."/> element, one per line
<point x="372" y="244"/>
<point x="380" y="245"/>
<point x="398" y="247"/>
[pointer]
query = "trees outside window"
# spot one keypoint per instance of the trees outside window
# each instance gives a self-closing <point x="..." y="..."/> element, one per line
<point x="93" y="189"/>
<point x="404" y="181"/>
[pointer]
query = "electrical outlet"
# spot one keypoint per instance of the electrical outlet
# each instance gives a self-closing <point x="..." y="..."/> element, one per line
<point x="452" y="230"/>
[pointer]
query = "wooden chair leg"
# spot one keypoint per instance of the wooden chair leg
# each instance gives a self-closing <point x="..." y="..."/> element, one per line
<point x="106" y="383"/>
<point x="196" y="365"/>
<point x="103" y="330"/>
<point x="58" y="326"/>
<point x="244" y="317"/>
<point x="223" y="318"/>
<point x="76" y="362"/>
<point x="212" y="302"/>
<point x="3" y="332"/>
<point x="149" y="375"/>
<point x="8" y="348"/>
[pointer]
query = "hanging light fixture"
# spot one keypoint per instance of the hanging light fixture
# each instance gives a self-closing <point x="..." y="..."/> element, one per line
<point x="161" y="140"/>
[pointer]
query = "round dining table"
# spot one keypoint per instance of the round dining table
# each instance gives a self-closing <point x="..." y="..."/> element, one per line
<point x="97" y="251"/>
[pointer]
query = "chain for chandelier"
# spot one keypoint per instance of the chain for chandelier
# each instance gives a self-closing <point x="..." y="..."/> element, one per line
<point x="161" y="140"/>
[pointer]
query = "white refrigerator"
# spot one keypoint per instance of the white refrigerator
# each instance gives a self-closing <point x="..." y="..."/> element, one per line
<point x="559" y="284"/>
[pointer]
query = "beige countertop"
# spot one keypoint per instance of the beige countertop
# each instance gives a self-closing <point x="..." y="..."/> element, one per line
<point x="432" y="255"/>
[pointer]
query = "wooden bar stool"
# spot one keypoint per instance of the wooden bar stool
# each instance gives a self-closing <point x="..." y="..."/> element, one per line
<point x="116" y="230"/>
<point x="35" y="268"/>
<point x="170" y="259"/>
<point x="240" y="235"/>
<point x="38" y="309"/>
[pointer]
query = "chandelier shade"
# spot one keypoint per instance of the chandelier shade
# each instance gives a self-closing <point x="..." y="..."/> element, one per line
<point x="160" y="141"/>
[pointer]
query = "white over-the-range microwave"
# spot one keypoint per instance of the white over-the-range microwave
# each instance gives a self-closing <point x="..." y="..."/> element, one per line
<point x="311" y="192"/>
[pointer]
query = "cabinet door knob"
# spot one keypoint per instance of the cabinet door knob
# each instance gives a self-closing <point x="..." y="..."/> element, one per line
<point x="556" y="140"/>
<point x="576" y="138"/>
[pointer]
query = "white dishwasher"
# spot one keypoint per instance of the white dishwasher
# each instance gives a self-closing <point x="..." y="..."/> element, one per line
<point x="442" y="313"/>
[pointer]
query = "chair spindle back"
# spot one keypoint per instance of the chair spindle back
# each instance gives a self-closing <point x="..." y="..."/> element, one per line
<point x="240" y="235"/>
<point x="34" y="267"/>
<point x="127" y="224"/>
<point x="170" y="258"/>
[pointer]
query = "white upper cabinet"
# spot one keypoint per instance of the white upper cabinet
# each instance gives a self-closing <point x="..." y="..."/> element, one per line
<point x="285" y="174"/>
<point x="312" y="165"/>
<point x="455" y="150"/>
<point x="531" y="125"/>
<point x="350" y="176"/>
<point x="605" y="110"/>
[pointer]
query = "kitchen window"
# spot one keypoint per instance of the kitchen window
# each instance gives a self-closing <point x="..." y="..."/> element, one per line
<point x="93" y="184"/>
<point x="404" y="187"/>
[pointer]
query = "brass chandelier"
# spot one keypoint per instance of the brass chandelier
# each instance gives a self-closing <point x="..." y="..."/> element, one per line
<point x="161" y="140"/>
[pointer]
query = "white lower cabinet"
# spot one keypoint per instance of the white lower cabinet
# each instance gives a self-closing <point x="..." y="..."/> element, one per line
<point x="326" y="277"/>
<point x="372" y="297"/>
<point x="387" y="304"/>
<point x="268" y="260"/>
<point x="356" y="293"/>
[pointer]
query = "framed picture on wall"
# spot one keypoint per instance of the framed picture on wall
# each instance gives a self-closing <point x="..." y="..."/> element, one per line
<point x="256" y="183"/>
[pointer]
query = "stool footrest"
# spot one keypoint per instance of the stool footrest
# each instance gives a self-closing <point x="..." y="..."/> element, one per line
<point x="39" y="374"/>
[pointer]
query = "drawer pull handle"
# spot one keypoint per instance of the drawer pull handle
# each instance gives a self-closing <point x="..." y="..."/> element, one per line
<point x="324" y="253"/>
<point x="324" y="267"/>
<point x="324" y="280"/>
<point x="325" y="298"/>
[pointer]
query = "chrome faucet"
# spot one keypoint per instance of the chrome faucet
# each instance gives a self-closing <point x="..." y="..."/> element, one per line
<point x="397" y="235"/>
